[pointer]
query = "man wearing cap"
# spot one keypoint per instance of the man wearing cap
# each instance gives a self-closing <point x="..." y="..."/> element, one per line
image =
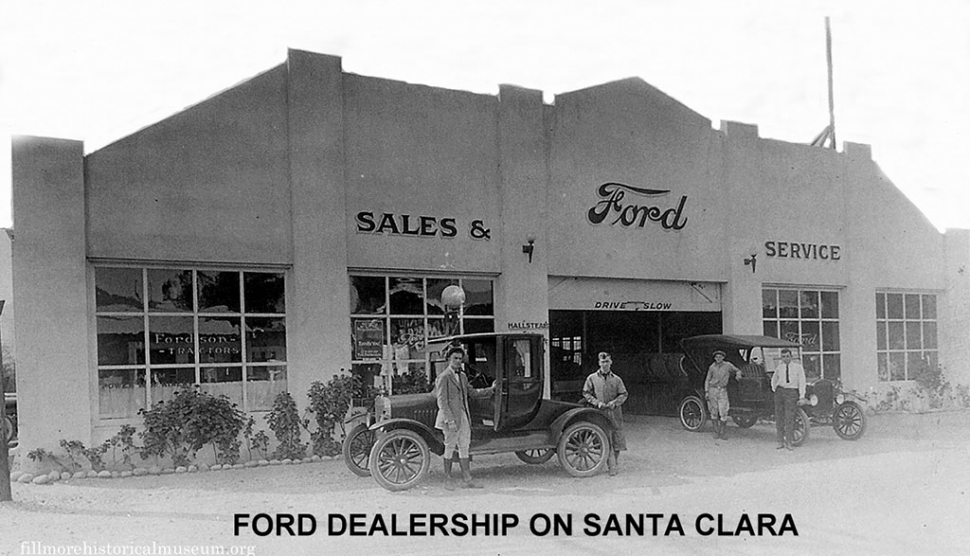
<point x="451" y="389"/>
<point x="715" y="386"/>
<point x="605" y="390"/>
<point x="788" y="384"/>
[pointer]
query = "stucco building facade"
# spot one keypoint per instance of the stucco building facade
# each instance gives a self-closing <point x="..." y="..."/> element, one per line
<point x="306" y="221"/>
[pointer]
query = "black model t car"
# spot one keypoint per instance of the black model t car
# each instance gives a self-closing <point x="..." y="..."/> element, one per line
<point x="750" y="395"/>
<point x="515" y="416"/>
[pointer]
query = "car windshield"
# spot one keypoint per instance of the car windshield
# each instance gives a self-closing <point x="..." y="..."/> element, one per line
<point x="479" y="360"/>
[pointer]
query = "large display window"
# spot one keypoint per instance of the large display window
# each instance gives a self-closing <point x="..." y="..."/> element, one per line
<point x="392" y="317"/>
<point x="906" y="334"/>
<point x="808" y="317"/>
<point x="161" y="330"/>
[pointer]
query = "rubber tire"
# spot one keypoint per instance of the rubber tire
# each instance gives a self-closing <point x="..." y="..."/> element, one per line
<point x="583" y="449"/>
<point x="528" y="456"/>
<point x="356" y="449"/>
<point x="400" y="459"/>
<point x="802" y="427"/>
<point x="849" y="421"/>
<point x="8" y="429"/>
<point x="745" y="420"/>
<point x="692" y="406"/>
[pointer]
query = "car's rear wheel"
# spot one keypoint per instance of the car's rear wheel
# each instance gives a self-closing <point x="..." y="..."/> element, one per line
<point x="849" y="421"/>
<point x="536" y="456"/>
<point x="801" y="428"/>
<point x="583" y="449"/>
<point x="399" y="459"/>
<point x="6" y="429"/>
<point x="745" y="420"/>
<point x="692" y="413"/>
<point x="356" y="449"/>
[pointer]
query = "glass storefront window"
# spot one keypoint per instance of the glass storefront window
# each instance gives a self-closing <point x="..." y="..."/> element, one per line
<point x="218" y="292"/>
<point x="170" y="290"/>
<point x="810" y="318"/>
<point x="193" y="325"/>
<point x="119" y="290"/>
<point x="393" y="317"/>
<point x="906" y="334"/>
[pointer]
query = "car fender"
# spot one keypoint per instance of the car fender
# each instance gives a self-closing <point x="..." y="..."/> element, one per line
<point x="361" y="418"/>
<point x="580" y="414"/>
<point x="429" y="436"/>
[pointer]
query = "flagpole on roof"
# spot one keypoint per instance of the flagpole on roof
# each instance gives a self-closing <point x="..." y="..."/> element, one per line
<point x="828" y="59"/>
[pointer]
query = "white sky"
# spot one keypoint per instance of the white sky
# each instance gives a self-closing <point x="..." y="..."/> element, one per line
<point x="99" y="70"/>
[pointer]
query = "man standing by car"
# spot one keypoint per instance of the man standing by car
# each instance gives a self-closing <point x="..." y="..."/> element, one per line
<point x="788" y="384"/>
<point x="715" y="387"/>
<point x="454" y="418"/>
<point x="605" y="390"/>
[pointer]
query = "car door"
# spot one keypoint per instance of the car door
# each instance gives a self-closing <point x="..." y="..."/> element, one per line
<point x="519" y="382"/>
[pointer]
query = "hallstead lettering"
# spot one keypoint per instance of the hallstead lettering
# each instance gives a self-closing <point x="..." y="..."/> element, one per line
<point x="794" y="250"/>
<point x="613" y="194"/>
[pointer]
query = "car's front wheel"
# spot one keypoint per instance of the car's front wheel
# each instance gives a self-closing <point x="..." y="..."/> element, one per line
<point x="692" y="413"/>
<point x="583" y="449"/>
<point x="849" y="421"/>
<point x="356" y="449"/>
<point x="536" y="456"/>
<point x="801" y="428"/>
<point x="399" y="459"/>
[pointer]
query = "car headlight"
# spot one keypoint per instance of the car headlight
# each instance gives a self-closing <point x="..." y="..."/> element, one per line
<point x="839" y="398"/>
<point x="382" y="408"/>
<point x="813" y="400"/>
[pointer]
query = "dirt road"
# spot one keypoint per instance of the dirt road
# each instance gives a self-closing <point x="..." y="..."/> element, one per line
<point x="902" y="489"/>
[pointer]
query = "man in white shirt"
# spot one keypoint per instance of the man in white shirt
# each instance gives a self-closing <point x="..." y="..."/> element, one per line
<point x="788" y="384"/>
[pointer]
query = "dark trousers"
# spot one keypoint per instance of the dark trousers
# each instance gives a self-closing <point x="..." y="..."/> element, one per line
<point x="785" y="401"/>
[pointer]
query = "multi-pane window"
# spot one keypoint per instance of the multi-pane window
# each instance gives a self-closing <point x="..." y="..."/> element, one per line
<point x="810" y="318"/>
<point x="906" y="335"/>
<point x="162" y="330"/>
<point x="392" y="317"/>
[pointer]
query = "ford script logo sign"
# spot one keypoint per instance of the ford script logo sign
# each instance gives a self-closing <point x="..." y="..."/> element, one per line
<point x="614" y="206"/>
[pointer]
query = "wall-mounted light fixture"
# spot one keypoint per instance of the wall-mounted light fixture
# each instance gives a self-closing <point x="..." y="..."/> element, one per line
<point x="528" y="248"/>
<point x="753" y="262"/>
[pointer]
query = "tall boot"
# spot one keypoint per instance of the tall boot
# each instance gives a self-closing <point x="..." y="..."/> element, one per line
<point x="466" y="474"/>
<point x="716" y="423"/>
<point x="723" y="430"/>
<point x="449" y="480"/>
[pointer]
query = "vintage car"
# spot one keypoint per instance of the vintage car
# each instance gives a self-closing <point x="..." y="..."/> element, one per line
<point x="750" y="395"/>
<point x="8" y="424"/>
<point x="396" y="440"/>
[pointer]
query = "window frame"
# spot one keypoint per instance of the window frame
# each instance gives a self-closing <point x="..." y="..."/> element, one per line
<point x="141" y="372"/>
<point x="904" y="322"/>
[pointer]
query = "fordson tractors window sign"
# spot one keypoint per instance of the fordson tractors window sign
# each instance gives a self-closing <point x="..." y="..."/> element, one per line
<point x="637" y="210"/>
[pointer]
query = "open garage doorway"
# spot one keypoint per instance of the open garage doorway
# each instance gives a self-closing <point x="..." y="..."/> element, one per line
<point x="645" y="347"/>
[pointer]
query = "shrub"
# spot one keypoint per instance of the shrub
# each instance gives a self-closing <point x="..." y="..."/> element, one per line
<point x="192" y="419"/>
<point x="329" y="403"/>
<point x="285" y="423"/>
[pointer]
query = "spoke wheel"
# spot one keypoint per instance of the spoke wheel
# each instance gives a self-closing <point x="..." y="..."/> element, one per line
<point x="692" y="413"/>
<point x="849" y="421"/>
<point x="583" y="449"/>
<point x="356" y="449"/>
<point x="400" y="459"/>
<point x="745" y="420"/>
<point x="536" y="456"/>
<point x="801" y="428"/>
<point x="7" y="429"/>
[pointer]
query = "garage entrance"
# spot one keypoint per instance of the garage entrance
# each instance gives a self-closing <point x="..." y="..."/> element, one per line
<point x="641" y="323"/>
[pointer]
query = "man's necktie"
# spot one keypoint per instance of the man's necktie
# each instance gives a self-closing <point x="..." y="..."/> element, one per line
<point x="787" y="377"/>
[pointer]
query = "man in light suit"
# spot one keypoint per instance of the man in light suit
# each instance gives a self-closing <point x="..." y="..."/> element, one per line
<point x="454" y="417"/>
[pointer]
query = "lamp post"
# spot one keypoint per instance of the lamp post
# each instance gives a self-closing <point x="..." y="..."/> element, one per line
<point x="5" y="492"/>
